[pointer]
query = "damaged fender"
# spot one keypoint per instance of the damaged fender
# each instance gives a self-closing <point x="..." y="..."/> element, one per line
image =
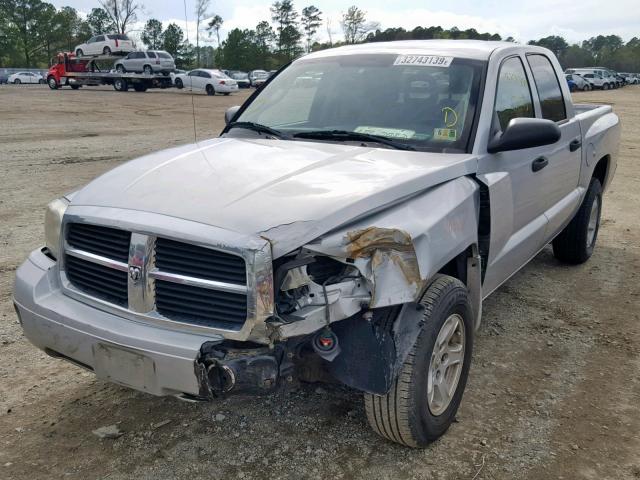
<point x="400" y="249"/>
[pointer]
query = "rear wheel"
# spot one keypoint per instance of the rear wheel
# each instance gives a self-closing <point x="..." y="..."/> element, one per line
<point x="41" y="81"/>
<point x="210" y="90"/>
<point x="106" y="51"/>
<point x="586" y="87"/>
<point x="17" y="81"/>
<point x="424" y="400"/>
<point x="120" y="85"/>
<point x="147" y="70"/>
<point x="79" y="52"/>
<point x="576" y="242"/>
<point x="75" y="87"/>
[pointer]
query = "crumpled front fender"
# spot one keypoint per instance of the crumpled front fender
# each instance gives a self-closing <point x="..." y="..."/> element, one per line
<point x="399" y="249"/>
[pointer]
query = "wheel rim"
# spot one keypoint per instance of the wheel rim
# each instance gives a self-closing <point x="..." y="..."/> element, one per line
<point x="52" y="83"/>
<point x="147" y="70"/>
<point x="594" y="217"/>
<point x="446" y="364"/>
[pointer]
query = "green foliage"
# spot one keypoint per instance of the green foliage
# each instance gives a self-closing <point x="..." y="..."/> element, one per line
<point x="152" y="34"/>
<point x="311" y="21"/>
<point x="172" y="40"/>
<point x="100" y="22"/>
<point x="288" y="37"/>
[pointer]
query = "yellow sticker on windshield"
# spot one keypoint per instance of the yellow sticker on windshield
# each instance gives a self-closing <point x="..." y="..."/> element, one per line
<point x="446" y="134"/>
<point x="399" y="133"/>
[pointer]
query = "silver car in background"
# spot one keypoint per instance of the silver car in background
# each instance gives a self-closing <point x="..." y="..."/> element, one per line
<point x="149" y="62"/>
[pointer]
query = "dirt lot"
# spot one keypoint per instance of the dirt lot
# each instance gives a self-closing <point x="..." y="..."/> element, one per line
<point x="554" y="391"/>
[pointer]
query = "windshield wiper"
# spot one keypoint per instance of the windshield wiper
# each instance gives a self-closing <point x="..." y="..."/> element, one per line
<point x="345" y="135"/>
<point x="257" y="127"/>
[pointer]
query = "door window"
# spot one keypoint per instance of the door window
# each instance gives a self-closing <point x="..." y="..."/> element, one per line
<point x="513" y="95"/>
<point x="100" y="38"/>
<point x="549" y="92"/>
<point x="151" y="55"/>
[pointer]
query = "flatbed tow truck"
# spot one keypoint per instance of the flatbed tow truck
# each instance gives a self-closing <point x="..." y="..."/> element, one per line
<point x="67" y="69"/>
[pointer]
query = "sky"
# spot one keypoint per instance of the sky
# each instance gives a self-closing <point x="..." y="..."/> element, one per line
<point x="524" y="20"/>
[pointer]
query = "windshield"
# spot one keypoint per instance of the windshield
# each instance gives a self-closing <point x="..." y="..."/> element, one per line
<point x="239" y="76"/>
<point x="386" y="95"/>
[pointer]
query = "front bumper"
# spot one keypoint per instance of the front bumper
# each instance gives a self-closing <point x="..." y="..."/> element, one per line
<point x="137" y="355"/>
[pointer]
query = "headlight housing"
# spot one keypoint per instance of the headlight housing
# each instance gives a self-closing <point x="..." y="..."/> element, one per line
<point x="53" y="225"/>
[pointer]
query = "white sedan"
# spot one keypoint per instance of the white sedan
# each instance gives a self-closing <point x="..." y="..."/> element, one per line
<point x="206" y="80"/>
<point x="25" y="77"/>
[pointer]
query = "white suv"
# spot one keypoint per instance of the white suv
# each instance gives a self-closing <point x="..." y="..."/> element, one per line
<point x="105" y="45"/>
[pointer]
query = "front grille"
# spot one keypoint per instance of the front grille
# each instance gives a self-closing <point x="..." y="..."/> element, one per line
<point x="200" y="262"/>
<point x="96" y="280"/>
<point x="214" y="296"/>
<point x="107" y="242"/>
<point x="200" y="306"/>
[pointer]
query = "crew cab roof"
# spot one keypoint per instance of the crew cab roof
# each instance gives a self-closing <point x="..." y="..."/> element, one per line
<point x="472" y="49"/>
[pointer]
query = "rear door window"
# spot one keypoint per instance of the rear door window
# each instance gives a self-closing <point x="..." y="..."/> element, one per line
<point x="513" y="95"/>
<point x="100" y="38"/>
<point x="151" y="54"/>
<point x="548" y="86"/>
<point x="164" y="55"/>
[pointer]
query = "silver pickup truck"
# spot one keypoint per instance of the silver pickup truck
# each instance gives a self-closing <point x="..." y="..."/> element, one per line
<point x="346" y="226"/>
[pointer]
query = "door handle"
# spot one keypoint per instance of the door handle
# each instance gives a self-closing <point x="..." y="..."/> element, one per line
<point x="539" y="163"/>
<point x="575" y="145"/>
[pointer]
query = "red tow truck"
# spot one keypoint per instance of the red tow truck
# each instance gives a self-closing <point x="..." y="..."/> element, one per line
<point x="67" y="69"/>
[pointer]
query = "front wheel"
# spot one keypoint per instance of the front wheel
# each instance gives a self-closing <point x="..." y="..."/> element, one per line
<point x="53" y="85"/>
<point x="424" y="399"/>
<point x="575" y="244"/>
<point x="41" y="81"/>
<point x="179" y="84"/>
<point x="586" y="87"/>
<point x="120" y="68"/>
<point x="17" y="81"/>
<point x="79" y="52"/>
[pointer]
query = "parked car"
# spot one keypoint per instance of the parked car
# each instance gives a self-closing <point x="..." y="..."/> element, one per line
<point x="629" y="78"/>
<point x="597" y="80"/>
<point x="331" y="233"/>
<point x="206" y="80"/>
<point x="599" y="77"/>
<point x="258" y="77"/>
<point x="241" y="77"/>
<point x="579" y="81"/>
<point x="25" y="77"/>
<point x="572" y="85"/>
<point x="105" y="45"/>
<point x="149" y="62"/>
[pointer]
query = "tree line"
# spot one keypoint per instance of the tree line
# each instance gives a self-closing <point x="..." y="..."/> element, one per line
<point x="32" y="31"/>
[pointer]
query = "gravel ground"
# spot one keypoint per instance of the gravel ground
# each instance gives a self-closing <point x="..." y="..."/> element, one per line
<point x="554" y="391"/>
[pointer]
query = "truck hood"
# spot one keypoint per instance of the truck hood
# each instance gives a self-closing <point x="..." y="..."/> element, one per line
<point x="289" y="192"/>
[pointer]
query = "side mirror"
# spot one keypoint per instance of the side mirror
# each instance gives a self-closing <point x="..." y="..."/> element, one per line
<point x="525" y="133"/>
<point x="230" y="113"/>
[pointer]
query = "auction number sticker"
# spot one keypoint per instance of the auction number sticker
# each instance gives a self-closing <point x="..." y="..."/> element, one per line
<point x="423" y="60"/>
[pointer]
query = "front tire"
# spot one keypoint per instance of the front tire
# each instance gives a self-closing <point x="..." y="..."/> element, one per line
<point x="424" y="399"/>
<point x="575" y="244"/>
<point x="53" y="85"/>
<point x="120" y="68"/>
<point x="17" y="81"/>
<point x="178" y="83"/>
<point x="79" y="52"/>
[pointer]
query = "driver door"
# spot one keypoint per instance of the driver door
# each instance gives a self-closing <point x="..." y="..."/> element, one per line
<point x="518" y="220"/>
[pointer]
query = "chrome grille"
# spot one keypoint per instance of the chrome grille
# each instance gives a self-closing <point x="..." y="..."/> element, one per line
<point x="97" y="280"/>
<point x="107" y="242"/>
<point x="157" y="277"/>
<point x="201" y="306"/>
<point x="200" y="262"/>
